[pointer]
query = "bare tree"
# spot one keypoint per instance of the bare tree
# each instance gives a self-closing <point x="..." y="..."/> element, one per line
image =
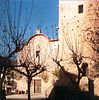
<point x="72" y="53"/>
<point x="11" y="35"/>
<point x="34" y="58"/>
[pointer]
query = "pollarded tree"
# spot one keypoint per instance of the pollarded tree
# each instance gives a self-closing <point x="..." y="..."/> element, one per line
<point x="11" y="34"/>
<point x="72" y="53"/>
<point x="34" y="59"/>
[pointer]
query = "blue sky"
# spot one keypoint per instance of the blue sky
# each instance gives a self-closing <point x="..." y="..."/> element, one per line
<point x="44" y="14"/>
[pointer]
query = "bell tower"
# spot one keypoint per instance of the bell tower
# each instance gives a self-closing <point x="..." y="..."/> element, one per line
<point x="38" y="30"/>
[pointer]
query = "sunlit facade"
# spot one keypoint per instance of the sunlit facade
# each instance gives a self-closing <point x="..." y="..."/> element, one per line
<point x="76" y="17"/>
<point x="41" y="50"/>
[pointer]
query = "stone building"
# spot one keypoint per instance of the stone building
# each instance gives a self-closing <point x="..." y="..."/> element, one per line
<point x="78" y="25"/>
<point x="41" y="50"/>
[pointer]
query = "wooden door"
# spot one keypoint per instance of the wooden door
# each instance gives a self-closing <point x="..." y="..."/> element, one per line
<point x="37" y="86"/>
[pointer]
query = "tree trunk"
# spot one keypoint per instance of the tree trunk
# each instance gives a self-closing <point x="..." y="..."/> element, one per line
<point x="29" y="84"/>
<point x="0" y="88"/>
<point x="79" y="75"/>
<point x="2" y="91"/>
<point x="78" y="81"/>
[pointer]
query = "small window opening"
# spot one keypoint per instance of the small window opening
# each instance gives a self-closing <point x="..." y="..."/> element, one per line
<point x="37" y="53"/>
<point x="80" y="9"/>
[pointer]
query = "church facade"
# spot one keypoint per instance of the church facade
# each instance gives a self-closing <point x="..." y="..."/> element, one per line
<point x="41" y="51"/>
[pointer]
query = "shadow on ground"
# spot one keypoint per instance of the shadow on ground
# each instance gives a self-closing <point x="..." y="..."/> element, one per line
<point x="65" y="93"/>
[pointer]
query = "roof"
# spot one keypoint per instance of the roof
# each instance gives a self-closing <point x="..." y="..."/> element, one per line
<point x="40" y="34"/>
<point x="53" y="40"/>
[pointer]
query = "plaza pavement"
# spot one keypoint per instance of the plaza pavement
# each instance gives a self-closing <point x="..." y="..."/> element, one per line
<point x="24" y="97"/>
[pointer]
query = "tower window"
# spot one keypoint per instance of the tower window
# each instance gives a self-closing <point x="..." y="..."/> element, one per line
<point x="37" y="53"/>
<point x="80" y="9"/>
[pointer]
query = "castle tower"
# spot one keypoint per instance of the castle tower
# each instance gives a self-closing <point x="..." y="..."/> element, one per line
<point x="76" y="19"/>
<point x="78" y="29"/>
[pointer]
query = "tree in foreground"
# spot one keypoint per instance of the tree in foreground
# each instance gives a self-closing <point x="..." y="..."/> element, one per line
<point x="34" y="59"/>
<point x="11" y="36"/>
<point x="73" y="53"/>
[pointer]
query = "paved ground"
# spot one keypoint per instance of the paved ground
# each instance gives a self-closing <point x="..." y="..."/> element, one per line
<point x="27" y="99"/>
<point x="24" y="97"/>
